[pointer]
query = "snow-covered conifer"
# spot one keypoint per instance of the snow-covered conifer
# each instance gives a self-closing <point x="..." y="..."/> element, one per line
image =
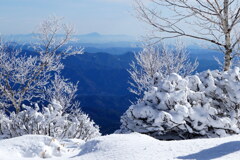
<point x="201" y="105"/>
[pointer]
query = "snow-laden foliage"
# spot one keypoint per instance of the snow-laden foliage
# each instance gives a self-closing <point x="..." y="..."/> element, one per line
<point x="36" y="78"/>
<point x="61" y="118"/>
<point x="52" y="120"/>
<point x="158" y="58"/>
<point x="202" y="105"/>
<point x="24" y="76"/>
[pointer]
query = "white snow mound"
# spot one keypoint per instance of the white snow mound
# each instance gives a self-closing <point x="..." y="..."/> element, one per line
<point x="30" y="146"/>
<point x="132" y="146"/>
<point x="120" y="147"/>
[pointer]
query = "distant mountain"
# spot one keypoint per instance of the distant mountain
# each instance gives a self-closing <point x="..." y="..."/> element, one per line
<point x="100" y="38"/>
<point x="91" y="38"/>
<point x="21" y="38"/>
<point x="112" y="50"/>
<point x="103" y="86"/>
<point x="99" y="73"/>
<point x="92" y="42"/>
<point x="206" y="58"/>
<point x="106" y="74"/>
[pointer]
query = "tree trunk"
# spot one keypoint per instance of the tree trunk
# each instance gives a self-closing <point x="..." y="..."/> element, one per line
<point x="18" y="107"/>
<point x="17" y="110"/>
<point x="227" y="60"/>
<point x="228" y="50"/>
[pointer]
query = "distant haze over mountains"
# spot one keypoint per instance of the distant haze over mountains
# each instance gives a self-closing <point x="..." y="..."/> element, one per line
<point x="95" y="42"/>
<point x="99" y="38"/>
<point x="92" y="38"/>
<point x="92" y="42"/>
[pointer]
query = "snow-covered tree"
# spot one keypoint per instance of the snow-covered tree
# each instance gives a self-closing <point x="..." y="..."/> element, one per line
<point x="162" y="59"/>
<point x="53" y="121"/>
<point x="202" y="105"/>
<point x="23" y="77"/>
<point x="36" y="78"/>
<point x="63" y="91"/>
<point x="61" y="118"/>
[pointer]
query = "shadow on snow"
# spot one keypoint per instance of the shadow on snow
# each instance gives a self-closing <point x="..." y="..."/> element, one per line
<point x="215" y="152"/>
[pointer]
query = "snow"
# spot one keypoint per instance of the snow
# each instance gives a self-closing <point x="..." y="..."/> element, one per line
<point x="132" y="146"/>
<point x="197" y="106"/>
<point x="52" y="120"/>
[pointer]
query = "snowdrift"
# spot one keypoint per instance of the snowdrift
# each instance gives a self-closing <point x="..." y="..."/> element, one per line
<point x="132" y="146"/>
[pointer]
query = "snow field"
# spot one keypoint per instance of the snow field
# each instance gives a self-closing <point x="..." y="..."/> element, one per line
<point x="132" y="146"/>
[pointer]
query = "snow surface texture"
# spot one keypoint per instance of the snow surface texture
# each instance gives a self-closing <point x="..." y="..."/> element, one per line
<point x="202" y="105"/>
<point x="132" y="146"/>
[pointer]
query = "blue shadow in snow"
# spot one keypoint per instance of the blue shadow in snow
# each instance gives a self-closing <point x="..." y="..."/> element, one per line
<point x="88" y="147"/>
<point x="215" y="152"/>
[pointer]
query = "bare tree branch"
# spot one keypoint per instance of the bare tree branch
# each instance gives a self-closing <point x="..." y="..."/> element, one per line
<point x="214" y="21"/>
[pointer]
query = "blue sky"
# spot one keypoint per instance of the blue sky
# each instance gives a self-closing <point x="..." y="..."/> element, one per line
<point x="103" y="16"/>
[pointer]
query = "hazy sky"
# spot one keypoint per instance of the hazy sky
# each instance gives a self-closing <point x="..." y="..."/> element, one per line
<point x="103" y="16"/>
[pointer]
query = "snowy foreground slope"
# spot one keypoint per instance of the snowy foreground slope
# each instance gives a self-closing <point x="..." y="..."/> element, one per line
<point x="119" y="147"/>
